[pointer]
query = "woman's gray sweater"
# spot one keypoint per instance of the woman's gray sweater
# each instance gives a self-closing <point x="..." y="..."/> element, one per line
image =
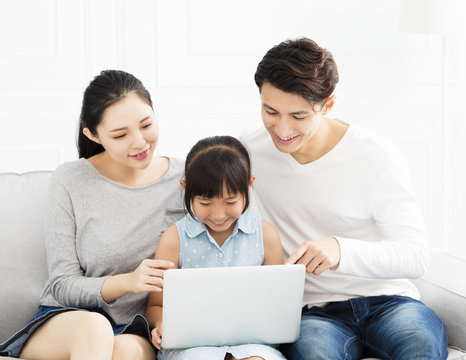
<point x="97" y="227"/>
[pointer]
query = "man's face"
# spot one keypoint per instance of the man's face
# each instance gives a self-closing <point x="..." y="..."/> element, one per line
<point x="290" y="120"/>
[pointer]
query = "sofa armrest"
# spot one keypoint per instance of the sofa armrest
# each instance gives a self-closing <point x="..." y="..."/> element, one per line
<point x="443" y="290"/>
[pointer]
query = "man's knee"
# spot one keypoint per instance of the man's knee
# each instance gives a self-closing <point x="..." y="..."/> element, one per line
<point x="421" y="344"/>
<point x="323" y="339"/>
<point x="410" y="330"/>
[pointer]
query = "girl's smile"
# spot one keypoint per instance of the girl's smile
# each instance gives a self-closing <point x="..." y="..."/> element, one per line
<point x="218" y="225"/>
<point x="219" y="214"/>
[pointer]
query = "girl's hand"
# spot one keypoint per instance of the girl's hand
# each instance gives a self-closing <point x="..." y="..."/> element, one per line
<point x="317" y="255"/>
<point x="157" y="336"/>
<point x="148" y="276"/>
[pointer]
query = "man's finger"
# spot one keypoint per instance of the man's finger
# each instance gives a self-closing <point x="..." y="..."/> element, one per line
<point x="299" y="252"/>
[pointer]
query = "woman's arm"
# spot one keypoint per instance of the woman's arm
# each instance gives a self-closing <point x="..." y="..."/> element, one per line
<point x="68" y="282"/>
<point x="168" y="250"/>
<point x="273" y="252"/>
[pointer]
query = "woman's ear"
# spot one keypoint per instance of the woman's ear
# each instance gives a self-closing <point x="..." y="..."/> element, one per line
<point x="183" y="184"/>
<point x="90" y="135"/>
<point x="251" y="180"/>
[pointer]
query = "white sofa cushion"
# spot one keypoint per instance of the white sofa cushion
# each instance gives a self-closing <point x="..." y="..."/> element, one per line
<point x="449" y="306"/>
<point x="23" y="265"/>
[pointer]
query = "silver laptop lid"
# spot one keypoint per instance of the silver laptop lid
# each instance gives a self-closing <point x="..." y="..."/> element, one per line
<point x="232" y="305"/>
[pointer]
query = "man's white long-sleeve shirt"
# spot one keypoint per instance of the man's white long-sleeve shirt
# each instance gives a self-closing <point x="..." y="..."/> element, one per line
<point x="360" y="192"/>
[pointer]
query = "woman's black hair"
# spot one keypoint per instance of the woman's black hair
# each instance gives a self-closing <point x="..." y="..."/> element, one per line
<point x="213" y="162"/>
<point x="107" y="88"/>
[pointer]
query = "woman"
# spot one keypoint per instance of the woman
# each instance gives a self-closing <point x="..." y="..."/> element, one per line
<point x="106" y="212"/>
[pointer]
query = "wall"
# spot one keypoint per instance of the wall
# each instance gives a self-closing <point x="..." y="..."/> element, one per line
<point x="198" y="60"/>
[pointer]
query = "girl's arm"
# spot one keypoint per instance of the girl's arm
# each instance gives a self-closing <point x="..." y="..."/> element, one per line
<point x="273" y="252"/>
<point x="168" y="250"/>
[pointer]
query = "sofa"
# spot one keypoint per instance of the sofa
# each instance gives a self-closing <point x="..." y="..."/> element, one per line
<point x="23" y="266"/>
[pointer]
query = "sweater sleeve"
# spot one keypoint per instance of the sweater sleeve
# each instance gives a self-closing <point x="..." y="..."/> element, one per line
<point x="68" y="284"/>
<point x="401" y="251"/>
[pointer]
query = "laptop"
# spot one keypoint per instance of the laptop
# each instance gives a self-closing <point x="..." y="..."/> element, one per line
<point x="232" y="305"/>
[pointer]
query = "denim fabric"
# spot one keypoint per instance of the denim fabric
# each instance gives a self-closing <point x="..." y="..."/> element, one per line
<point x="387" y="327"/>
<point x="13" y="346"/>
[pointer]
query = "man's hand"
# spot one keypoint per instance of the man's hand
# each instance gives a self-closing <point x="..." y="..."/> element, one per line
<point x="317" y="255"/>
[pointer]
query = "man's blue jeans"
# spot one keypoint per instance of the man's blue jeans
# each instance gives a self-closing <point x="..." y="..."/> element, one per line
<point x="387" y="327"/>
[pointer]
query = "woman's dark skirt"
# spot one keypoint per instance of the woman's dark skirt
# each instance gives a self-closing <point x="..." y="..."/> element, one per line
<point x="13" y="346"/>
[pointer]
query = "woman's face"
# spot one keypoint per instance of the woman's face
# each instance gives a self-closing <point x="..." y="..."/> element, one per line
<point x="129" y="132"/>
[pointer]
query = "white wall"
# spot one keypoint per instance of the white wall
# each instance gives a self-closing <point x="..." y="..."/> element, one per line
<point x="198" y="58"/>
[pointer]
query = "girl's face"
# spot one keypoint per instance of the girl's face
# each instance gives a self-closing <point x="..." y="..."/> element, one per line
<point x="219" y="214"/>
<point x="129" y="132"/>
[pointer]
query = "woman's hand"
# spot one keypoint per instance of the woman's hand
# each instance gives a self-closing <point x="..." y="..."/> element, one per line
<point x="148" y="276"/>
<point x="317" y="255"/>
<point x="157" y="336"/>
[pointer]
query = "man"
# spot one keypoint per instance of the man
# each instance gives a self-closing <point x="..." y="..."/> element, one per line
<point x="342" y="201"/>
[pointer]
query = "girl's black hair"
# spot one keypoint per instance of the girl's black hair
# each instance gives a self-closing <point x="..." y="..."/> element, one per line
<point x="213" y="162"/>
<point x="107" y="88"/>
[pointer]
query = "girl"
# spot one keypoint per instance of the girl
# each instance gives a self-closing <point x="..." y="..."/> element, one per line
<point x="106" y="212"/>
<point x="217" y="183"/>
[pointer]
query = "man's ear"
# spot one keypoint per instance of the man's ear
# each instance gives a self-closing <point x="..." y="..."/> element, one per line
<point x="90" y="135"/>
<point x="183" y="184"/>
<point x="329" y="105"/>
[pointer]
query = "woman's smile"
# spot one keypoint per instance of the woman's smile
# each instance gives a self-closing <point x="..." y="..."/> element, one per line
<point x="142" y="155"/>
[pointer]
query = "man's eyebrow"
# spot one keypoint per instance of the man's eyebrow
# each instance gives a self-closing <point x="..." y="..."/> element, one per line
<point x="299" y="112"/>
<point x="269" y="107"/>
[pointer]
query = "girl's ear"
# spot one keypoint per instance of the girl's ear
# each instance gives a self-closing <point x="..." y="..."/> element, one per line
<point x="183" y="184"/>
<point x="90" y="135"/>
<point x="251" y="181"/>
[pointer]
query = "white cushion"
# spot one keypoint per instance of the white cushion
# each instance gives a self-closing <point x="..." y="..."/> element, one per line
<point x="23" y="264"/>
